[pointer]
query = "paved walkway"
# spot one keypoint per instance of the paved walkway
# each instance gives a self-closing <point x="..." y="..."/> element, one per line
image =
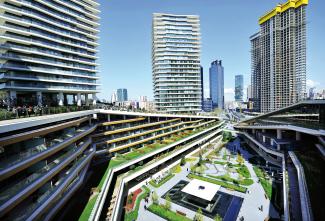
<point x="255" y="198"/>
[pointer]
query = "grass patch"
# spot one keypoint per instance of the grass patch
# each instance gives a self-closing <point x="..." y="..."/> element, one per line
<point x="177" y="169"/>
<point x="243" y="170"/>
<point x="87" y="211"/>
<point x="164" y="180"/>
<point x="166" y="214"/>
<point x="267" y="186"/>
<point x="219" y="182"/>
<point x="133" y="215"/>
<point x="245" y="182"/>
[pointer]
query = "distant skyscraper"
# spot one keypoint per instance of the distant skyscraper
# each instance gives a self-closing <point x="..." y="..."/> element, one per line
<point x="114" y="97"/>
<point x="239" y="88"/>
<point x="202" y="86"/>
<point x="176" y="63"/>
<point x="216" y="75"/>
<point x="122" y="94"/>
<point x="283" y="55"/>
<point x="311" y="93"/>
<point x="249" y="92"/>
<point x="256" y="71"/>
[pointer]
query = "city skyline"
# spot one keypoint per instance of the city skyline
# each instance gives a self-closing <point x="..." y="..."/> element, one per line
<point x="222" y="46"/>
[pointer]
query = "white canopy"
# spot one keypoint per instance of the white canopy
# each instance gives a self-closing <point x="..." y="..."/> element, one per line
<point x="201" y="189"/>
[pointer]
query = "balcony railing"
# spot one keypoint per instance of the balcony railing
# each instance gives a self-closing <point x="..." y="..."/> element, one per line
<point x="46" y="198"/>
<point x="23" y="188"/>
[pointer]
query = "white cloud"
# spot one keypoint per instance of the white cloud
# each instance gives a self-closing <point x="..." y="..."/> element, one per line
<point x="311" y="83"/>
<point x="229" y="91"/>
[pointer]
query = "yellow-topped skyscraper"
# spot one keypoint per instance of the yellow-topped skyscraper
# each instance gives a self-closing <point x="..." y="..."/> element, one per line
<point x="280" y="66"/>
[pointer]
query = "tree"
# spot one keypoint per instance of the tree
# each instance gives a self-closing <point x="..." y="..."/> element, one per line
<point x="217" y="218"/>
<point x="183" y="161"/>
<point x="240" y="159"/>
<point x="168" y="204"/>
<point x="155" y="197"/>
<point x="198" y="216"/>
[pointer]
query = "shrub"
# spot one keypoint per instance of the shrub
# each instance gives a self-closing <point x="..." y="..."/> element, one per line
<point x="155" y="197"/>
<point x="183" y="161"/>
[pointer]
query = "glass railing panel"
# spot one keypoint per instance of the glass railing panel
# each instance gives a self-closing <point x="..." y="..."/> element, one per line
<point x="15" y="188"/>
<point x="24" y="213"/>
<point x="23" y="155"/>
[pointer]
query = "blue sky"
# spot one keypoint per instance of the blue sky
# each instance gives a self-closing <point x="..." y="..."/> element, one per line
<point x="125" y="40"/>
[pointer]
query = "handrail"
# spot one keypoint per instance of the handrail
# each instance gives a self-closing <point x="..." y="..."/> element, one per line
<point x="305" y="204"/>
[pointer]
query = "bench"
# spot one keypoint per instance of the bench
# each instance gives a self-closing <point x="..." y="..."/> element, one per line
<point x="180" y="213"/>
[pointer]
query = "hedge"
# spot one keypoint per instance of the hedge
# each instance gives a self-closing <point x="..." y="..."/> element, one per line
<point x="167" y="214"/>
<point x="164" y="180"/>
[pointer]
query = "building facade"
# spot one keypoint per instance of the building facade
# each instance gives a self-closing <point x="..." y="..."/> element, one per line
<point x="48" y="51"/>
<point x="207" y="105"/>
<point x="202" y="86"/>
<point x="176" y="63"/>
<point x="122" y="94"/>
<point x="239" y="88"/>
<point x="216" y="75"/>
<point x="283" y="55"/>
<point x="256" y="71"/>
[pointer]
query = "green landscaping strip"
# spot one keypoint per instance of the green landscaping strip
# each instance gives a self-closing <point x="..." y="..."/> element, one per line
<point x="267" y="186"/>
<point x="163" y="181"/>
<point x="133" y="215"/>
<point x="167" y="214"/>
<point x="243" y="170"/>
<point x="219" y="182"/>
<point x="87" y="211"/>
<point x="245" y="182"/>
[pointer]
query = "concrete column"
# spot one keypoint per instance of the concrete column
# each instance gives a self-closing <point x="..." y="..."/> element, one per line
<point x="94" y="99"/>
<point x="12" y="94"/>
<point x="278" y="134"/>
<point x="264" y="139"/>
<point x="78" y="99"/>
<point x="253" y="131"/>
<point x="298" y="136"/>
<point x="39" y="98"/>
<point x="263" y="130"/>
<point x="61" y="98"/>
<point x="86" y="100"/>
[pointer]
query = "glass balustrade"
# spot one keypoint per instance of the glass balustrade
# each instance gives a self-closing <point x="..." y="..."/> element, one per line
<point x="9" y="161"/>
<point x="20" y="184"/>
<point x="25" y="212"/>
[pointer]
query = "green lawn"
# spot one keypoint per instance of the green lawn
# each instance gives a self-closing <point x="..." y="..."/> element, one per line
<point x="164" y="180"/>
<point x="87" y="211"/>
<point x="267" y="185"/>
<point x="167" y="214"/>
<point x="243" y="170"/>
<point x="245" y="182"/>
<point x="219" y="182"/>
<point x="133" y="215"/>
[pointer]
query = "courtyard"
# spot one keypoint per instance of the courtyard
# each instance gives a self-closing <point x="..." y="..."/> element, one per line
<point x="238" y="192"/>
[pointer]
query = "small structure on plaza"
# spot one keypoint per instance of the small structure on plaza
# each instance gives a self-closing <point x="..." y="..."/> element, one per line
<point x="201" y="189"/>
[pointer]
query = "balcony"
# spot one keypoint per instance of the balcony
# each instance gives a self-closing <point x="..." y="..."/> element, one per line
<point x="16" y="163"/>
<point x="17" y="192"/>
<point x="34" y="210"/>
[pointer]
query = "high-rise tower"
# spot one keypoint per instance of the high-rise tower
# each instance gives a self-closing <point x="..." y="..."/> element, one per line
<point x="283" y="55"/>
<point x="176" y="63"/>
<point x="239" y="88"/>
<point x="256" y="71"/>
<point x="48" y="50"/>
<point x="216" y="76"/>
